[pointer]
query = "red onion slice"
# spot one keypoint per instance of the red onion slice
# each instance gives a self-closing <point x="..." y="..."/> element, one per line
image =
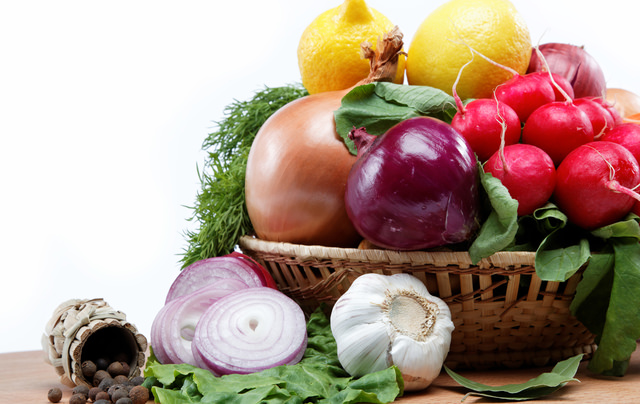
<point x="210" y="270"/>
<point x="155" y="336"/>
<point x="251" y="330"/>
<point x="180" y="319"/>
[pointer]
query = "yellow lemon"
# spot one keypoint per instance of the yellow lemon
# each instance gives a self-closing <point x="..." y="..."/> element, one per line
<point x="329" y="53"/>
<point x="441" y="47"/>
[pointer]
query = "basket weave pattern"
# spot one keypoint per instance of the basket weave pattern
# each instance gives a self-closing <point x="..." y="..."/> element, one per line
<point x="74" y="323"/>
<point x="504" y="314"/>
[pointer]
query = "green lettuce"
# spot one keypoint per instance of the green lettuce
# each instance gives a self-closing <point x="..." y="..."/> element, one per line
<point x="317" y="378"/>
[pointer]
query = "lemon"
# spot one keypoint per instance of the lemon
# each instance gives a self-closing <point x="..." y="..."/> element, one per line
<point x="442" y="42"/>
<point x="329" y="53"/>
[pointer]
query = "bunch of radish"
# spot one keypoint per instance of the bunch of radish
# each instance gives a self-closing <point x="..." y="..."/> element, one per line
<point x="226" y="315"/>
<point x="545" y="144"/>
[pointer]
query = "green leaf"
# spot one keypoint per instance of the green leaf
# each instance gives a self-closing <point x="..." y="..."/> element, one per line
<point x="563" y="249"/>
<point x="318" y="377"/>
<point x="625" y="228"/>
<point x="499" y="229"/>
<point x="591" y="301"/>
<point x="621" y="327"/>
<point x="560" y="263"/>
<point x="537" y="387"/>
<point x="379" y="106"/>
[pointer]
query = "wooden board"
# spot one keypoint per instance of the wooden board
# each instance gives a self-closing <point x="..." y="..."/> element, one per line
<point x="25" y="378"/>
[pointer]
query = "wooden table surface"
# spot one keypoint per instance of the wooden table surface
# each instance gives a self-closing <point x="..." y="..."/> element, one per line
<point x="25" y="378"/>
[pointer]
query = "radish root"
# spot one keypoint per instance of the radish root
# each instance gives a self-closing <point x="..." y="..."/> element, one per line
<point x="613" y="184"/>
<point x="556" y="85"/>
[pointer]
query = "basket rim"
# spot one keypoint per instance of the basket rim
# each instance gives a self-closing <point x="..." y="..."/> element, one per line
<point x="439" y="258"/>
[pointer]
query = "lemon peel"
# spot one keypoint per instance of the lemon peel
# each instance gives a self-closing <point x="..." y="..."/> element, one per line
<point x="329" y="53"/>
<point x="442" y="42"/>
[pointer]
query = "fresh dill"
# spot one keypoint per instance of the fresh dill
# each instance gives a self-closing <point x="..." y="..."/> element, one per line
<point x="220" y="208"/>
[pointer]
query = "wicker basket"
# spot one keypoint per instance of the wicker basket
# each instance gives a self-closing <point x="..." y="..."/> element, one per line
<point x="505" y="316"/>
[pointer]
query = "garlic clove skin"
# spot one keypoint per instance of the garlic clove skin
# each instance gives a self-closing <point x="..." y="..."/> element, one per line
<point x="387" y="320"/>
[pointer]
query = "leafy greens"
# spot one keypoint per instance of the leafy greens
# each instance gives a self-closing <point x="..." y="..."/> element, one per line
<point x="317" y="378"/>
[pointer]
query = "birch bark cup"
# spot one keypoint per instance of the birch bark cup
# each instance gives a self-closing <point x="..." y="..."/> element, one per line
<point x="81" y="330"/>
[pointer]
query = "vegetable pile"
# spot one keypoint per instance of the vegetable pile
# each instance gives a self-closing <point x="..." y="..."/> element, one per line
<point x="548" y="163"/>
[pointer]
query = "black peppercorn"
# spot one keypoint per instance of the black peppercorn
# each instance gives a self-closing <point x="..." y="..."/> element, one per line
<point x="118" y="394"/>
<point x="115" y="369"/>
<point x="93" y="392"/>
<point x="100" y="376"/>
<point x="89" y="369"/>
<point x="124" y="400"/>
<point x="81" y="389"/>
<point x="102" y="363"/>
<point x="139" y="395"/>
<point x="137" y="381"/>
<point x="106" y="383"/>
<point x="122" y="379"/>
<point x="77" y="399"/>
<point x="54" y="395"/>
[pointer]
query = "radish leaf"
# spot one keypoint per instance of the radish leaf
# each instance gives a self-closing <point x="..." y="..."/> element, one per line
<point x="379" y="106"/>
<point x="499" y="229"/>
<point x="537" y="387"/>
<point x="621" y="325"/>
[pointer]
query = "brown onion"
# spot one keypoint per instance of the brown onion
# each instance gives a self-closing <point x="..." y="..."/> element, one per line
<point x="575" y="64"/>
<point x="624" y="101"/>
<point x="298" y="165"/>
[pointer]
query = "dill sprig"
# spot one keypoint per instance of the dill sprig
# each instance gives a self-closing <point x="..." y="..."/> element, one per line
<point x="220" y="208"/>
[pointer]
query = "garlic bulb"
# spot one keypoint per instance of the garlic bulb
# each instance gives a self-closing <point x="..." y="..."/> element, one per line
<point x="385" y="320"/>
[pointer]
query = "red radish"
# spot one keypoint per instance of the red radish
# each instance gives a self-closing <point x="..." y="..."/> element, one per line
<point x="485" y="123"/>
<point x="482" y="122"/>
<point x="627" y="135"/>
<point x="525" y="94"/>
<point x="594" y="184"/>
<point x="527" y="172"/>
<point x="600" y="117"/>
<point x="617" y="118"/>
<point x="558" y="128"/>
<point x="561" y="81"/>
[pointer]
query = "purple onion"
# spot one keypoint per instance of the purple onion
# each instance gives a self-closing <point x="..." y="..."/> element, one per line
<point x="575" y="64"/>
<point x="211" y="270"/>
<point x="414" y="187"/>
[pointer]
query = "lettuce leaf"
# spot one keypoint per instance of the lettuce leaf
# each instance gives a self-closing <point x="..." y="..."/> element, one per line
<point x="317" y="378"/>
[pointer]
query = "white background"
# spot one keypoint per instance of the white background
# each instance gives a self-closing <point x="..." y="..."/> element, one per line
<point x="103" y="110"/>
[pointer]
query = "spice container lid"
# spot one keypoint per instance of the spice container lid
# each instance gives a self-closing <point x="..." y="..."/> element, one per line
<point x="89" y="329"/>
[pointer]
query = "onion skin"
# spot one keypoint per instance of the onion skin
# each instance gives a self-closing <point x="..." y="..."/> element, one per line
<point x="415" y="187"/>
<point x="296" y="175"/>
<point x="575" y="64"/>
<point x="624" y="101"/>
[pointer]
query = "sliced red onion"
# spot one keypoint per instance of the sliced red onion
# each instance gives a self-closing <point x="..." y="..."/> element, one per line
<point x="251" y="330"/>
<point x="155" y="336"/>
<point x="210" y="270"/>
<point x="180" y="319"/>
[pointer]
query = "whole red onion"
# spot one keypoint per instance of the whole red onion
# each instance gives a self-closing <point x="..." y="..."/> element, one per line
<point x="414" y="187"/>
<point x="575" y="64"/>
